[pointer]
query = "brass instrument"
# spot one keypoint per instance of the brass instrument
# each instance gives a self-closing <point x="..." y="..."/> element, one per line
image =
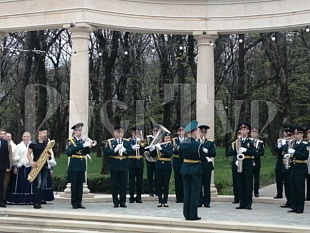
<point x="287" y="156"/>
<point x="139" y="141"/>
<point x="156" y="141"/>
<point x="41" y="161"/>
<point x="87" y="139"/>
<point x="240" y="156"/>
<point x="159" y="136"/>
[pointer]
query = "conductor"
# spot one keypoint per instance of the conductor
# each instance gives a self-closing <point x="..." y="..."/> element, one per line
<point x="191" y="171"/>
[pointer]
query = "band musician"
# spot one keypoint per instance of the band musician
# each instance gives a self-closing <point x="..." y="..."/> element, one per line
<point x="118" y="149"/>
<point x="177" y="163"/>
<point x="77" y="151"/>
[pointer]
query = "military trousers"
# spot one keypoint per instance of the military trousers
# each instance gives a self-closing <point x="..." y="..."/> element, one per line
<point x="286" y="176"/>
<point x="135" y="182"/>
<point x="162" y="184"/>
<point x="77" y="180"/>
<point x="192" y="189"/>
<point x="235" y="184"/>
<point x="256" y="176"/>
<point x="298" y="192"/>
<point x="245" y="185"/>
<point x="119" y="181"/>
<point x="150" y="172"/>
<point x="178" y="184"/>
<point x="205" y="195"/>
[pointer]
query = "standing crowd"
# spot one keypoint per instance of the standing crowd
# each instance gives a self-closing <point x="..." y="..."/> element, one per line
<point x="16" y="165"/>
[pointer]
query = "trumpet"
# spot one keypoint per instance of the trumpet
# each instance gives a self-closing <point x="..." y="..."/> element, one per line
<point x="87" y="139"/>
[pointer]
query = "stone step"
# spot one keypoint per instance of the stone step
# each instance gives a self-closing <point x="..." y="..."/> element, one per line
<point x="90" y="226"/>
<point x="9" y="228"/>
<point x="92" y="222"/>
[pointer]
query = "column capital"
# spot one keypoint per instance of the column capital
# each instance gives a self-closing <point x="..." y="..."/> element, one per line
<point x="79" y="27"/>
<point x="205" y="38"/>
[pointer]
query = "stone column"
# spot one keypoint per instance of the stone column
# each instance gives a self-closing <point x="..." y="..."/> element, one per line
<point x="2" y="35"/>
<point x="79" y="85"/>
<point x="205" y="87"/>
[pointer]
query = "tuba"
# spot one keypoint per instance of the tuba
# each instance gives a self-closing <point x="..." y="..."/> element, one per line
<point x="41" y="161"/>
<point x="156" y="141"/>
<point x="240" y="156"/>
<point x="159" y="137"/>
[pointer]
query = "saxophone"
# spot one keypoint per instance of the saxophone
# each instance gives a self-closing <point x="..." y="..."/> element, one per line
<point x="240" y="156"/>
<point x="41" y="161"/>
<point x="287" y="156"/>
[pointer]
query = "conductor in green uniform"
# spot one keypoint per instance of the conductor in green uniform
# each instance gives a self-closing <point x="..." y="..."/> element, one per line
<point x="191" y="170"/>
<point x="77" y="151"/>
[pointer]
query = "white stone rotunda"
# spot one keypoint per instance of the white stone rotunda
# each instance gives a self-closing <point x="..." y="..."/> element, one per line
<point x="205" y="19"/>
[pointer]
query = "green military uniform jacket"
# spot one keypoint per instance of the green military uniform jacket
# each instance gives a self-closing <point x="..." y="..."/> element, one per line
<point x="75" y="148"/>
<point x="118" y="162"/>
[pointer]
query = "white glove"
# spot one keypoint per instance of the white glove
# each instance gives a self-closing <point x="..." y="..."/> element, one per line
<point x="291" y="151"/>
<point x="242" y="149"/>
<point x="209" y="159"/>
<point x="117" y="148"/>
<point x="205" y="150"/>
<point x="283" y="142"/>
<point x="152" y="148"/>
<point x="279" y="145"/>
<point x="87" y="144"/>
<point x="138" y="139"/>
<point x="123" y="149"/>
<point x="158" y="147"/>
<point x="136" y="147"/>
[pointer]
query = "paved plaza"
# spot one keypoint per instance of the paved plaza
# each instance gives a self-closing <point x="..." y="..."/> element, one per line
<point x="266" y="210"/>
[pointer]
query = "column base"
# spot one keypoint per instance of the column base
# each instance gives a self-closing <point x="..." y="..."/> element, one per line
<point x="213" y="191"/>
<point x="86" y="192"/>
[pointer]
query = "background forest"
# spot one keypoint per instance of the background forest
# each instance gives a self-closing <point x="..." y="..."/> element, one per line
<point x="262" y="76"/>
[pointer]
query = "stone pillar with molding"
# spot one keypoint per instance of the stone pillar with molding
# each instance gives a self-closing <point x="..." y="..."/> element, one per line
<point x="205" y="95"/>
<point x="2" y="35"/>
<point x="79" y="87"/>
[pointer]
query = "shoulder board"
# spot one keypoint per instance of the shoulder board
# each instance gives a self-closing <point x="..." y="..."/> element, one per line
<point x="174" y="138"/>
<point x="305" y="142"/>
<point x="126" y="139"/>
<point x="261" y="141"/>
<point x="210" y="140"/>
<point x="110" y="139"/>
<point x="69" y="139"/>
<point x="251" y="138"/>
<point x="149" y="136"/>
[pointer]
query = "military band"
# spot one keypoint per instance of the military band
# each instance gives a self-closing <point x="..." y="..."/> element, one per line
<point x="192" y="161"/>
